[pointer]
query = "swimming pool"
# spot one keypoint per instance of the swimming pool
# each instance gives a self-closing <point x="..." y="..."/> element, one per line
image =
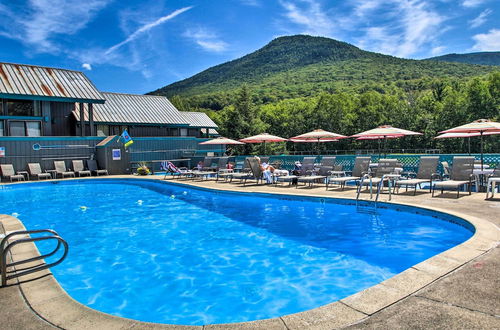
<point x="167" y="253"/>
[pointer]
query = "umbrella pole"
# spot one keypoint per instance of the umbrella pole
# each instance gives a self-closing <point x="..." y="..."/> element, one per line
<point x="378" y="140"/>
<point x="481" y="150"/>
<point x="318" y="147"/>
<point x="385" y="146"/>
<point x="469" y="144"/>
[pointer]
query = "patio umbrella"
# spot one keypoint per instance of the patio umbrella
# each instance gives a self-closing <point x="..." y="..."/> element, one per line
<point x="384" y="132"/>
<point x="263" y="138"/>
<point x="318" y="135"/>
<point x="220" y="141"/>
<point x="480" y="126"/>
<point x="378" y="138"/>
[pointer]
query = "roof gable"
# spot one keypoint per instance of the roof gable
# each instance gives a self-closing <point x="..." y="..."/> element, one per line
<point x="134" y="109"/>
<point x="20" y="81"/>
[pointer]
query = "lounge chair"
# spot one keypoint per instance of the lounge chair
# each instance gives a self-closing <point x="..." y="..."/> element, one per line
<point x="60" y="168"/>
<point x="94" y="169"/>
<point x="328" y="161"/>
<point x="255" y="170"/>
<point x="385" y="168"/>
<point x="35" y="170"/>
<point x="307" y="168"/>
<point x="462" y="173"/>
<point x="427" y="169"/>
<point x="209" y="164"/>
<point x="174" y="171"/>
<point x="361" y="167"/>
<point x="321" y="174"/>
<point x="239" y="166"/>
<point x="79" y="169"/>
<point x="212" y="170"/>
<point x="8" y="172"/>
<point x="241" y="171"/>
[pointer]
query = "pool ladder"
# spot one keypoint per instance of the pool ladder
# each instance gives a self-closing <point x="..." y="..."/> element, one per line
<point x="379" y="187"/>
<point x="9" y="241"/>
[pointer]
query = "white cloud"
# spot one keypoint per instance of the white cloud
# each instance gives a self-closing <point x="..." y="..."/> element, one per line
<point x="206" y="39"/>
<point x="146" y="28"/>
<point x="87" y="66"/>
<point x="365" y="7"/>
<point x="481" y="19"/>
<point x="310" y="16"/>
<point x="472" y="3"/>
<point x="39" y="22"/>
<point x="487" y="41"/>
<point x="438" y="50"/>
<point x="413" y="26"/>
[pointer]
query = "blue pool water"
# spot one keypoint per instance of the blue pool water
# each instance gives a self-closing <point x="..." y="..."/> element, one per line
<point x="166" y="253"/>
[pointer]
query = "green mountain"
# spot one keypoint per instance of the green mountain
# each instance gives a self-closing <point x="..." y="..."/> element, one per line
<point x="303" y="66"/>
<point x="483" y="58"/>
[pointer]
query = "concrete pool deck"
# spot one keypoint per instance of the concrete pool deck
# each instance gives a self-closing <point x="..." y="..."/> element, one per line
<point x="459" y="288"/>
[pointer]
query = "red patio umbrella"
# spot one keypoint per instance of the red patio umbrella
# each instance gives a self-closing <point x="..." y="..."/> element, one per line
<point x="480" y="126"/>
<point x="263" y="138"/>
<point x="220" y="141"/>
<point x="318" y="135"/>
<point x="384" y="132"/>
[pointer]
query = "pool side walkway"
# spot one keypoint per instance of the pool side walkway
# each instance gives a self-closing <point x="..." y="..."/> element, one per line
<point x="465" y="296"/>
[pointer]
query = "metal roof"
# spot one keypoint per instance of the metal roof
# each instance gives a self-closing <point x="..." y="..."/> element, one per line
<point x="20" y="81"/>
<point x="134" y="109"/>
<point x="198" y="119"/>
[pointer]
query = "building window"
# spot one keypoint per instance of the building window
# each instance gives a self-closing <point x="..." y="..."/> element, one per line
<point x="25" y="128"/>
<point x="25" y="108"/>
<point x="102" y="130"/>
<point x="1" y="128"/>
<point x="16" y="128"/>
<point x="33" y="128"/>
<point x="184" y="132"/>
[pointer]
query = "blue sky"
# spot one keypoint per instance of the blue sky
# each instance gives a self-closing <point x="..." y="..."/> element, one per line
<point x="138" y="46"/>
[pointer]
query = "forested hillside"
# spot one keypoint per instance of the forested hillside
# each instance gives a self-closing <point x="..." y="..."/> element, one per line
<point x="483" y="58"/>
<point x="299" y="83"/>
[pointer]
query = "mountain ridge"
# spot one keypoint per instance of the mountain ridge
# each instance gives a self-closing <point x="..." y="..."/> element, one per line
<point x="481" y="58"/>
<point x="301" y="65"/>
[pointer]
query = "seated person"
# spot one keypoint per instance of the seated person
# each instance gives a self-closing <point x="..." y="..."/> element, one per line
<point x="267" y="170"/>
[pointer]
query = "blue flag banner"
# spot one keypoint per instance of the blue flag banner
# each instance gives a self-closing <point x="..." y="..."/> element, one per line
<point x="127" y="140"/>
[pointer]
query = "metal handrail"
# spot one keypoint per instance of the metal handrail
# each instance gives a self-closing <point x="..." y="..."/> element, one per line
<point x="366" y="176"/>
<point x="381" y="185"/>
<point x="5" y="249"/>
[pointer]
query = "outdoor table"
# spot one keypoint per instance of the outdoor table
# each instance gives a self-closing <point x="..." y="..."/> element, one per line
<point x="53" y="173"/>
<point x="491" y="186"/>
<point x="25" y="174"/>
<point x="481" y="177"/>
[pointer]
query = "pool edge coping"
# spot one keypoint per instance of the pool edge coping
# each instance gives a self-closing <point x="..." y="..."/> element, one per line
<point x="47" y="299"/>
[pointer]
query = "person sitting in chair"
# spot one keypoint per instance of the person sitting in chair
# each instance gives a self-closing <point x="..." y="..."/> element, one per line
<point x="267" y="170"/>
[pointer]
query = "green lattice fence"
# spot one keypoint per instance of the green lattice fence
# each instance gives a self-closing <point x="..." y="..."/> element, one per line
<point x="410" y="162"/>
